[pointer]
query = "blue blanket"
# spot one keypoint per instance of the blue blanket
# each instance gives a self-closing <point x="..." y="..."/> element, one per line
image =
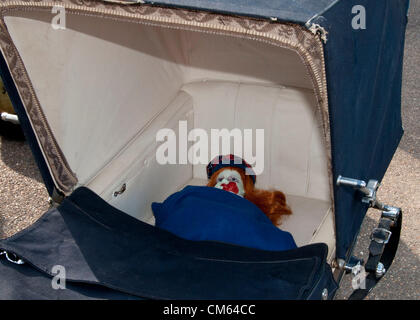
<point x="205" y="213"/>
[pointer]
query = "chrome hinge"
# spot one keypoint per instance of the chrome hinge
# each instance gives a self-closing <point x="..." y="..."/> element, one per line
<point x="369" y="190"/>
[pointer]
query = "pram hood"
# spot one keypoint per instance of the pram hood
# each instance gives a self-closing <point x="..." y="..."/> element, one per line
<point x="356" y="75"/>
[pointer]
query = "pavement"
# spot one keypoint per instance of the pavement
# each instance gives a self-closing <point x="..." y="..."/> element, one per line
<point x="23" y="197"/>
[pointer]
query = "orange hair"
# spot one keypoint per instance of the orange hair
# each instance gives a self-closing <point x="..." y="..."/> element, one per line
<point x="271" y="202"/>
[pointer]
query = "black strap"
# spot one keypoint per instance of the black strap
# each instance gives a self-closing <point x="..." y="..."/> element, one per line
<point x="380" y="252"/>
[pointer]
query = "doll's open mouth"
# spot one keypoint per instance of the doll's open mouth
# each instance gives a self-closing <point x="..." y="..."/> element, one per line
<point x="231" y="186"/>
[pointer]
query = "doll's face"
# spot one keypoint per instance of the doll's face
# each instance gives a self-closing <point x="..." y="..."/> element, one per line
<point x="230" y="180"/>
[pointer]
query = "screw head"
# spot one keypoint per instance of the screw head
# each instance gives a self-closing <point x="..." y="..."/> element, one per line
<point x="325" y="294"/>
<point x="380" y="270"/>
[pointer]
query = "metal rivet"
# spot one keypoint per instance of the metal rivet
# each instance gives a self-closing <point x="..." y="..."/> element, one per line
<point x="325" y="294"/>
<point x="341" y="263"/>
<point x="380" y="270"/>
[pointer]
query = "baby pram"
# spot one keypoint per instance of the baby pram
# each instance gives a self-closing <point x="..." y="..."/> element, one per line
<point x="93" y="82"/>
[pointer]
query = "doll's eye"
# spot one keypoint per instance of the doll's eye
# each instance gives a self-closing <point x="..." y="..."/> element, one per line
<point x="233" y="179"/>
<point x="220" y="179"/>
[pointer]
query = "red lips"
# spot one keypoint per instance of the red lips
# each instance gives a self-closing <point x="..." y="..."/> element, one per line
<point x="231" y="186"/>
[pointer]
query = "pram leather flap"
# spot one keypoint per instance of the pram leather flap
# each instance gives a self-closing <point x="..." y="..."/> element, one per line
<point x="103" y="249"/>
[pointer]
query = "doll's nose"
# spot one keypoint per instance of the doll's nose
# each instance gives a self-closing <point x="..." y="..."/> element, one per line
<point x="231" y="186"/>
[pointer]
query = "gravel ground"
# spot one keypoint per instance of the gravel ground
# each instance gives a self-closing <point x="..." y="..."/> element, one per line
<point x="23" y="197"/>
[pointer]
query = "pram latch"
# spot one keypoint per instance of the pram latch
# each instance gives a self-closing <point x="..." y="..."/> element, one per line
<point x="384" y="238"/>
<point x="369" y="189"/>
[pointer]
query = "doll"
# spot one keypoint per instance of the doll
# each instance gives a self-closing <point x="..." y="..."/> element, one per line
<point x="229" y="173"/>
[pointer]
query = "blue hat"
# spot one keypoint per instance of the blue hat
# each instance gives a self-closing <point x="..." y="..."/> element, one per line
<point x="229" y="160"/>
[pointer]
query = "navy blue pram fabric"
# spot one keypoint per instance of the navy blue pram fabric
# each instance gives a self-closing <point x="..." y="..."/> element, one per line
<point x="206" y="213"/>
<point x="103" y="249"/>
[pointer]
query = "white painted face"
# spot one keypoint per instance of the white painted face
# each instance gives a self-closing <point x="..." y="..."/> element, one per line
<point x="230" y="180"/>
